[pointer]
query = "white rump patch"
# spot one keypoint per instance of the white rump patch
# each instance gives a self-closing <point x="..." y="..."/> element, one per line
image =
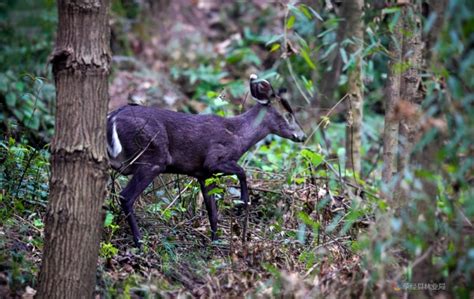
<point x="115" y="148"/>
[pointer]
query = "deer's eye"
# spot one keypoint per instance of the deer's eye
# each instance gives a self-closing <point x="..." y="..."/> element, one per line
<point x="288" y="117"/>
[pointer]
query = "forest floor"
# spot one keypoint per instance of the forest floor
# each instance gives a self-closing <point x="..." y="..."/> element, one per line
<point x="178" y="257"/>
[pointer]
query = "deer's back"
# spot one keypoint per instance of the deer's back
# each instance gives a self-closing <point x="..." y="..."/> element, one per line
<point x="181" y="142"/>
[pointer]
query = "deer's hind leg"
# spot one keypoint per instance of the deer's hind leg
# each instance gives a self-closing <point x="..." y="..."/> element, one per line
<point x="211" y="207"/>
<point x="142" y="177"/>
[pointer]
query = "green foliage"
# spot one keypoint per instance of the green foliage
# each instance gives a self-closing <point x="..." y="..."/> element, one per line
<point x="24" y="177"/>
<point x="30" y="100"/>
<point x="24" y="186"/>
<point x="107" y="250"/>
<point x="25" y="42"/>
<point x="303" y="197"/>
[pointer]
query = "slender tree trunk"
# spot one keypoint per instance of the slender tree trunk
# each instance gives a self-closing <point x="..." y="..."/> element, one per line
<point x="425" y="270"/>
<point x="436" y="7"/>
<point x="354" y="30"/>
<point x="410" y="83"/>
<point x="392" y="98"/>
<point x="329" y="81"/>
<point x="80" y="62"/>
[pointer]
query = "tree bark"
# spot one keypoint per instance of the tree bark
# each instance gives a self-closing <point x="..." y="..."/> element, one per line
<point x="410" y="83"/>
<point x="354" y="30"/>
<point x="437" y="8"/>
<point x="392" y="98"/>
<point x="80" y="61"/>
<point x="426" y="271"/>
<point x="329" y="82"/>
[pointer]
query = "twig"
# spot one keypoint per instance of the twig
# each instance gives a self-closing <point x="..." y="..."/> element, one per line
<point x="28" y="162"/>
<point x="176" y="198"/>
<point x="29" y="223"/>
<point x="140" y="153"/>
<point x="327" y="115"/>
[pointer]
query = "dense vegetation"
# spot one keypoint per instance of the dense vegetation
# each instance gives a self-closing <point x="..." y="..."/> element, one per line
<point x="317" y="227"/>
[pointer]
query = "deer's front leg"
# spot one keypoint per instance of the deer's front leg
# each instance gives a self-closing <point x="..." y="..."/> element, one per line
<point x="230" y="168"/>
<point x="211" y="206"/>
<point x="140" y="180"/>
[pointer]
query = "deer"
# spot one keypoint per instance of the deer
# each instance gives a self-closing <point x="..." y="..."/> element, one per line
<point x="145" y="142"/>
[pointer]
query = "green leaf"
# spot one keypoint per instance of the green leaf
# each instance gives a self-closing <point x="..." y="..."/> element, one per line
<point x="304" y="9"/>
<point x="313" y="157"/>
<point x="299" y="181"/>
<point x="32" y="122"/>
<point x="343" y="55"/>
<point x="329" y="50"/>
<point x="394" y="21"/>
<point x="306" y="58"/>
<point x="38" y="223"/>
<point x="390" y="10"/>
<point x="318" y="16"/>
<point x="20" y="86"/>
<point x="275" y="47"/>
<point x="212" y="94"/>
<point x="215" y="191"/>
<point x="10" y="99"/>
<point x="109" y="218"/>
<point x="290" y="22"/>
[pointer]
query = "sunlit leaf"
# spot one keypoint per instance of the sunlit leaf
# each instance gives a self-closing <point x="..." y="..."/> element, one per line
<point x="304" y="9"/>
<point x="290" y="22"/>
<point x="275" y="47"/>
<point x="306" y="58"/>
<point x="109" y="218"/>
<point x="313" y="157"/>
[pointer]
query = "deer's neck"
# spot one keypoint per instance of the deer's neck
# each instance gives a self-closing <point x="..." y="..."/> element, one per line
<point x="252" y="126"/>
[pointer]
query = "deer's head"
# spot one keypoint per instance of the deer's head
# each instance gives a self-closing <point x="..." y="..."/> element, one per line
<point x="281" y="116"/>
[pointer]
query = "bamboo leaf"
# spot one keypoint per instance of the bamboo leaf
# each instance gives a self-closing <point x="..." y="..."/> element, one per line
<point x="343" y="55"/>
<point x="306" y="58"/>
<point x="290" y="22"/>
<point x="316" y="14"/>
<point x="304" y="9"/>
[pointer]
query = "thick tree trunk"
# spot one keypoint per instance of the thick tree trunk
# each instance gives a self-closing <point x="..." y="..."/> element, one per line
<point x="354" y="30"/>
<point x="80" y="62"/>
<point x="392" y="98"/>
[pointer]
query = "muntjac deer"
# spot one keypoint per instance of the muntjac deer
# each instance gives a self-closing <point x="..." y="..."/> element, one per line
<point x="147" y="141"/>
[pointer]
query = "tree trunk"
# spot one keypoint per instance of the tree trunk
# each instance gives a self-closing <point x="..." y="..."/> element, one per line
<point x="426" y="271"/>
<point x="392" y="98"/>
<point x="329" y="81"/>
<point x="80" y="62"/>
<point x="355" y="29"/>
<point x="438" y="8"/>
<point x="410" y="84"/>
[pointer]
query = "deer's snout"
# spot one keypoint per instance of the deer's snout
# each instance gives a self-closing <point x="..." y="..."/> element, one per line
<point x="299" y="137"/>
